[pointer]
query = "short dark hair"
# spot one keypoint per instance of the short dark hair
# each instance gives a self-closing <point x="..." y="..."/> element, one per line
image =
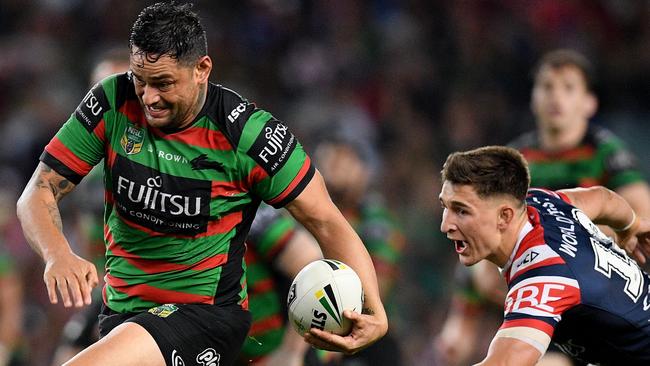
<point x="567" y="57"/>
<point x="167" y="28"/>
<point x="491" y="170"/>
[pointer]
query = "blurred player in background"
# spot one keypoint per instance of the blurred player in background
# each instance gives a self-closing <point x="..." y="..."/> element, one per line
<point x="350" y="170"/>
<point x="276" y="251"/>
<point x="567" y="280"/>
<point x="565" y="150"/>
<point x="11" y="290"/>
<point x="175" y="283"/>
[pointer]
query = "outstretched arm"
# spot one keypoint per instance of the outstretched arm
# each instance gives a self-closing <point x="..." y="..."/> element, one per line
<point x="506" y="351"/>
<point x="39" y="216"/>
<point x="606" y="207"/>
<point x="314" y="209"/>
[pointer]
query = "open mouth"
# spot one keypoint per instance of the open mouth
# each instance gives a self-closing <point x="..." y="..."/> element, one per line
<point x="460" y="246"/>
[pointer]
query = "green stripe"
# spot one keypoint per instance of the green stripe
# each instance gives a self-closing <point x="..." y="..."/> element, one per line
<point x="264" y="305"/>
<point x="272" y="236"/>
<point x="263" y="343"/>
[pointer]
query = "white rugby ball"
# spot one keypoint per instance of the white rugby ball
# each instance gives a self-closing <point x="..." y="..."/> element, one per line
<point x="319" y="294"/>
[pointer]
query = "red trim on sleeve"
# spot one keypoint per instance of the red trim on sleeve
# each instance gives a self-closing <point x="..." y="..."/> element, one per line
<point x="564" y="197"/>
<point x="301" y="174"/>
<point x="529" y="323"/>
<point x="61" y="152"/>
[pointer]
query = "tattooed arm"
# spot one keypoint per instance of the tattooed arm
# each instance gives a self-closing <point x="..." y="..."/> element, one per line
<point x="38" y="212"/>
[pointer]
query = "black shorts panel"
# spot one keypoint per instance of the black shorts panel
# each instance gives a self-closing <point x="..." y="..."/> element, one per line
<point x="189" y="334"/>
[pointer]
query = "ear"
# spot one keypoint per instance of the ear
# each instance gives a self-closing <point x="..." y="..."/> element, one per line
<point x="506" y="215"/>
<point x="203" y="69"/>
<point x="591" y="105"/>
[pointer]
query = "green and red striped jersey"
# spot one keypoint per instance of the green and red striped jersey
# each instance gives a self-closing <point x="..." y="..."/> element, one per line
<point x="269" y="234"/>
<point x="600" y="159"/>
<point x="178" y="204"/>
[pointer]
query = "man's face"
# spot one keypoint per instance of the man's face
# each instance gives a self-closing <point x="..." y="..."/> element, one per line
<point x="470" y="222"/>
<point x="560" y="98"/>
<point x="345" y="174"/>
<point x="169" y="92"/>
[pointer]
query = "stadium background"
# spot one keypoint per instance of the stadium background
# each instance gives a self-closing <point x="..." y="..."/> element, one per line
<point x="417" y="79"/>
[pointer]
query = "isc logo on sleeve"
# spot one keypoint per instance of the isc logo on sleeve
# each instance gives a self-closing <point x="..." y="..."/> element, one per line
<point x="543" y="296"/>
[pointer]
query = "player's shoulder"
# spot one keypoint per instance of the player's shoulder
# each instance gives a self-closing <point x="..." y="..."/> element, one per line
<point x="229" y="111"/>
<point x="527" y="140"/>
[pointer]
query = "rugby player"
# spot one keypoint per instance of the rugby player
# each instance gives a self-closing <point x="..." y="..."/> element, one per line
<point x="187" y="163"/>
<point x="567" y="281"/>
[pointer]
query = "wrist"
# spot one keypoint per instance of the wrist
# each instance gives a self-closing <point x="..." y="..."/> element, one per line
<point x="634" y="223"/>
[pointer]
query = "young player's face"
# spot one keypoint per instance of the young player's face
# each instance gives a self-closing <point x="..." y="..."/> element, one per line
<point x="171" y="94"/>
<point x="560" y="98"/>
<point x="470" y="222"/>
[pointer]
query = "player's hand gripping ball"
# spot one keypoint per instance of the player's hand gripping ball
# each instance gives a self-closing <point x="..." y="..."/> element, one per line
<point x="319" y="294"/>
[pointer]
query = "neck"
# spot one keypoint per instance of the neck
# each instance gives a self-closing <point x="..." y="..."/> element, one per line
<point x="196" y="109"/>
<point x="509" y="239"/>
<point x="558" y="139"/>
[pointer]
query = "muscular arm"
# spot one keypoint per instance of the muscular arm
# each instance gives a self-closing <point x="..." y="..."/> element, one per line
<point x="506" y="351"/>
<point x="606" y="207"/>
<point x="314" y="209"/>
<point x="39" y="216"/>
<point x="638" y="196"/>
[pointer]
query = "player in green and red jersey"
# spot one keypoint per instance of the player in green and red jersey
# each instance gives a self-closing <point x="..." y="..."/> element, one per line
<point x="187" y="163"/>
<point x="565" y="151"/>
<point x="276" y="251"/>
<point x="349" y="170"/>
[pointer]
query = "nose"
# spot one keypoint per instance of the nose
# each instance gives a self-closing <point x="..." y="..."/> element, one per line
<point x="446" y="224"/>
<point x="150" y="96"/>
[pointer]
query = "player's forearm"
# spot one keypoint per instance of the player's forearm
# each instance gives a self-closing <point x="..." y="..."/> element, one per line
<point x="39" y="216"/>
<point x="602" y="205"/>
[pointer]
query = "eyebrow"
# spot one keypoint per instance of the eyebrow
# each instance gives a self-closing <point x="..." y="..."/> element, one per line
<point x="156" y="78"/>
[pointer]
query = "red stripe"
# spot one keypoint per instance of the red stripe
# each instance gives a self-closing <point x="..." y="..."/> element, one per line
<point x="111" y="155"/>
<point x="157" y="295"/>
<point x="221" y="188"/>
<point x="264" y="325"/>
<point x="256" y="175"/>
<point x="578" y="153"/>
<point x="529" y="323"/>
<point x="544" y="263"/>
<point x="158" y="266"/>
<point x="57" y="149"/>
<point x="280" y="244"/>
<point x="263" y="286"/>
<point x="197" y="136"/>
<point x="215" y="227"/>
<point x="301" y="174"/>
<point x="133" y="111"/>
<point x="100" y="131"/>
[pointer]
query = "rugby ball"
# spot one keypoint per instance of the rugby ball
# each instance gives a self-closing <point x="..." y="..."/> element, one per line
<point x="319" y="294"/>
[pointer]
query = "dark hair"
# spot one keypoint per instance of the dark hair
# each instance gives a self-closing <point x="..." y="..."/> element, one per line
<point x="491" y="170"/>
<point x="567" y="57"/>
<point x="169" y="29"/>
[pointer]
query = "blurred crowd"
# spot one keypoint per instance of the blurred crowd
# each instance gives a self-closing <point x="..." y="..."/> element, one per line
<point x="412" y="80"/>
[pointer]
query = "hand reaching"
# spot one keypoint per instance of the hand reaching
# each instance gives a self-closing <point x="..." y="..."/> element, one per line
<point x="74" y="278"/>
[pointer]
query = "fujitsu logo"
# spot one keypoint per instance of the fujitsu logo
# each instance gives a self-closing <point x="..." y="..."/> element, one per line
<point x="92" y="103"/>
<point x="151" y="197"/>
<point x="274" y="137"/>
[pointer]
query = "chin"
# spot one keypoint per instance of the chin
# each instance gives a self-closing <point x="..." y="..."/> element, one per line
<point x="467" y="261"/>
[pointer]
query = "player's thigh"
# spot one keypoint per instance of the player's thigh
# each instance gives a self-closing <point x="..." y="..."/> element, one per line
<point x="128" y="344"/>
